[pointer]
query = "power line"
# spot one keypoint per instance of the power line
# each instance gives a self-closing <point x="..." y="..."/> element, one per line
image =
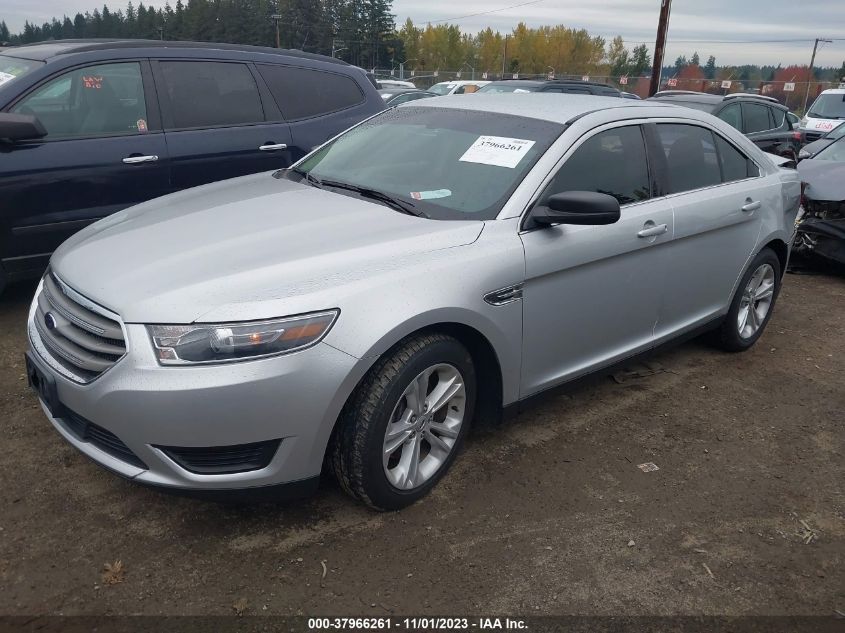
<point x="801" y="41"/>
<point x="472" y="15"/>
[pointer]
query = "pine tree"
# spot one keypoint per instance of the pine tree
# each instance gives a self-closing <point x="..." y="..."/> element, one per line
<point x="4" y="32"/>
<point x="710" y="68"/>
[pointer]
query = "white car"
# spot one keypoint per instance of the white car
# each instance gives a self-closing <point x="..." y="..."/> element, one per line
<point x="826" y="113"/>
<point x="394" y="83"/>
<point x="457" y="87"/>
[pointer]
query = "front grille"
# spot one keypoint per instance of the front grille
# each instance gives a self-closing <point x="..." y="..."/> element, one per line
<point x="223" y="460"/>
<point x="809" y="137"/>
<point x="83" y="341"/>
<point x="106" y="441"/>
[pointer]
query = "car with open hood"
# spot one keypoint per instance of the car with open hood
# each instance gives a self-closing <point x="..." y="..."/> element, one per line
<point x="442" y="262"/>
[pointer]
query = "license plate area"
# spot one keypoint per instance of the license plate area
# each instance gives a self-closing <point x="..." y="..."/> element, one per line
<point x="44" y="385"/>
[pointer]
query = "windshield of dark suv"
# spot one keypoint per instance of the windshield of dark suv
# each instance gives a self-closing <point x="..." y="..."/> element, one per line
<point x="13" y="67"/>
<point x="446" y="164"/>
<point x="828" y="106"/>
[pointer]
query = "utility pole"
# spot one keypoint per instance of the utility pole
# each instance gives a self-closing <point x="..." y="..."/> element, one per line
<point x="810" y="71"/>
<point x="660" y="46"/>
<point x="276" y="17"/>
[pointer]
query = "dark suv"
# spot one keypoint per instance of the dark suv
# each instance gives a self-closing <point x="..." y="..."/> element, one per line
<point x="761" y="119"/>
<point x="570" y="86"/>
<point x="91" y="127"/>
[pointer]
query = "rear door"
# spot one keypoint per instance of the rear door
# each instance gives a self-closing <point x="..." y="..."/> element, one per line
<point x="319" y="104"/>
<point x="104" y="151"/>
<point x="215" y="122"/>
<point x="718" y="198"/>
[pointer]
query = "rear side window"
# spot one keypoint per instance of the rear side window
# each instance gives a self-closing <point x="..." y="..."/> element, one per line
<point x="735" y="165"/>
<point x="612" y="162"/>
<point x="732" y="115"/>
<point x="756" y="118"/>
<point x="692" y="162"/>
<point x="102" y="100"/>
<point x="778" y="116"/>
<point x="302" y="93"/>
<point x="210" y="94"/>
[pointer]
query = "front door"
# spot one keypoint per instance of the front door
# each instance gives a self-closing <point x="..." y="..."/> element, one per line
<point x="103" y="152"/>
<point x="592" y="294"/>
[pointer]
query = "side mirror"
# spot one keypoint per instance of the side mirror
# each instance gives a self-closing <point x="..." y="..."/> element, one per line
<point x="577" y="207"/>
<point x="20" y="127"/>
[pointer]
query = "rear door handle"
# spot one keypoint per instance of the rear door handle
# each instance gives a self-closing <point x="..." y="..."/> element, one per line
<point x="751" y="206"/>
<point x="135" y="160"/>
<point x="272" y="147"/>
<point x="653" y="231"/>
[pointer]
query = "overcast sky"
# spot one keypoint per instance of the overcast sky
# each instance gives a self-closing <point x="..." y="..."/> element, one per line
<point x="635" y="20"/>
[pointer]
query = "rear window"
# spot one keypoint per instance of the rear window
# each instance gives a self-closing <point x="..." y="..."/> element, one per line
<point x="302" y="93"/>
<point x="210" y="94"/>
<point x="13" y="67"/>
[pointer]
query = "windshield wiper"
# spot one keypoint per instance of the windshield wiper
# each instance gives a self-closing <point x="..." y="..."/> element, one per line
<point x="380" y="196"/>
<point x="306" y="175"/>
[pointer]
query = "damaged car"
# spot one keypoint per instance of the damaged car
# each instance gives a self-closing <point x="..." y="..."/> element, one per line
<point x="821" y="230"/>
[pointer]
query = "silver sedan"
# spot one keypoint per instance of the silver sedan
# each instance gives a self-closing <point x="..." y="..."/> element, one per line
<point x="439" y="263"/>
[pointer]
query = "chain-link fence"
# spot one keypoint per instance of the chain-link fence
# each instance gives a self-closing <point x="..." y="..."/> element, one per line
<point x="790" y="93"/>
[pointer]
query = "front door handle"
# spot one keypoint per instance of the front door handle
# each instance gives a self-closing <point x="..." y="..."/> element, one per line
<point x="653" y="231"/>
<point x="272" y="147"/>
<point x="751" y="206"/>
<point x="135" y="160"/>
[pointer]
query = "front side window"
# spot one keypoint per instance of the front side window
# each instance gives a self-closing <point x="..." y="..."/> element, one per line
<point x="732" y="115"/>
<point x="612" y="162"/>
<point x="450" y="164"/>
<point x="756" y="118"/>
<point x="302" y="93"/>
<point x="210" y="94"/>
<point x="104" y="100"/>
<point x="691" y="157"/>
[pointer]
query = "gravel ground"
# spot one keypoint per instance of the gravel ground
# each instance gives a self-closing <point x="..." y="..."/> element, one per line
<point x="545" y="514"/>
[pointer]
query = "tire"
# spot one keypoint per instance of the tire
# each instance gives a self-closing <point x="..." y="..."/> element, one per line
<point x="387" y="395"/>
<point x="730" y="336"/>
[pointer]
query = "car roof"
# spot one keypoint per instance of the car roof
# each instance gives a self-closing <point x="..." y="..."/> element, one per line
<point x="45" y="51"/>
<point x="552" y="107"/>
<point x="706" y="97"/>
<point x="398" y="90"/>
<point x="463" y="82"/>
<point x="833" y="91"/>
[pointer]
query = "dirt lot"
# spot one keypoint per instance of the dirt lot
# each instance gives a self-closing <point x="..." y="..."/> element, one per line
<point x="547" y="514"/>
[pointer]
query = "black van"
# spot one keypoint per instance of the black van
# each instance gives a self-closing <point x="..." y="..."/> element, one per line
<point x="89" y="127"/>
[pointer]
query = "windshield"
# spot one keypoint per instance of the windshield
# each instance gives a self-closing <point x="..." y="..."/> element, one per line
<point x="442" y="88"/>
<point x="503" y="88"/>
<point x="14" y="67"/>
<point x="828" y="106"/>
<point x="835" y="133"/>
<point x="449" y="164"/>
<point x="835" y="152"/>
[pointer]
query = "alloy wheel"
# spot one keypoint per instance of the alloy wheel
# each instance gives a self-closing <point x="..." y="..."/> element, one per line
<point x="756" y="301"/>
<point x="424" y="426"/>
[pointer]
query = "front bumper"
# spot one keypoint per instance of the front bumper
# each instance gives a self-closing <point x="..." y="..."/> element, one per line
<point x="294" y="398"/>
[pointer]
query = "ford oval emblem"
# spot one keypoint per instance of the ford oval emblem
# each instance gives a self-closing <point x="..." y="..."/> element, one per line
<point x="50" y="321"/>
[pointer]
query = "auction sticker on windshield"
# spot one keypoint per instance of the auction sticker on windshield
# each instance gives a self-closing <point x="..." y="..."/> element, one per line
<point x="4" y="77"/>
<point x="497" y="150"/>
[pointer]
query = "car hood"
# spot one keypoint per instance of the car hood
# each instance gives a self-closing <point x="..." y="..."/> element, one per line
<point x="825" y="179"/>
<point x="256" y="241"/>
<point x="816" y="146"/>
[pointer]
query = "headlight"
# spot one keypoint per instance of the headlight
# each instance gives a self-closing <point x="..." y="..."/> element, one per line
<point x="230" y="342"/>
<point x="802" y="123"/>
<point x="804" y="154"/>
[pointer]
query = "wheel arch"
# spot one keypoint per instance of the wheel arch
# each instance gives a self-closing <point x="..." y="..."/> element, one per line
<point x="781" y="249"/>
